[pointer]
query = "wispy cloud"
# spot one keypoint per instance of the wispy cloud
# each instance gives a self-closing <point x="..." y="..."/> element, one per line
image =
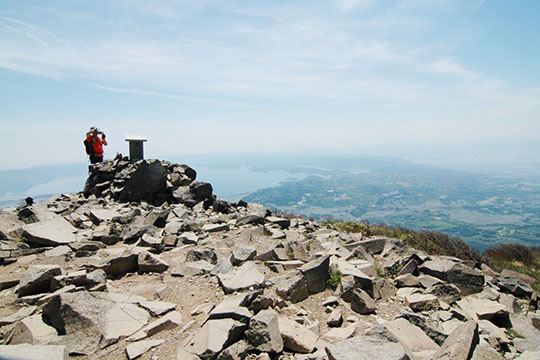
<point x="451" y="67"/>
<point x="360" y="63"/>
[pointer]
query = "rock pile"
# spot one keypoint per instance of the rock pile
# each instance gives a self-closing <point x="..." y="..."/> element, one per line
<point x="153" y="181"/>
<point x="147" y="264"/>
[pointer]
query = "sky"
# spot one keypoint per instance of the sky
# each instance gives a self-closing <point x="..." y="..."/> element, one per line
<point x="400" y="77"/>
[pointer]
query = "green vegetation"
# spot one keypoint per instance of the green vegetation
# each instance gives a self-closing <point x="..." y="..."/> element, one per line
<point x="393" y="270"/>
<point x="334" y="278"/>
<point x="516" y="257"/>
<point x="431" y="242"/>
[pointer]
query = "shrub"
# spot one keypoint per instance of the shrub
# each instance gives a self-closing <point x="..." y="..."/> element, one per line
<point x="512" y="252"/>
<point x="334" y="278"/>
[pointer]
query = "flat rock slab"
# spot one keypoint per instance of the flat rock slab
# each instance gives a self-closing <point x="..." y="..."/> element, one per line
<point x="215" y="227"/>
<point x="99" y="215"/>
<point x="135" y="350"/>
<point x="62" y="250"/>
<point x="339" y="334"/>
<point x="240" y="255"/>
<point x="296" y="337"/>
<point x="169" y="321"/>
<point x="529" y="355"/>
<point x="214" y="336"/>
<point x="157" y="308"/>
<point x="484" y="309"/>
<point x="19" y="315"/>
<point x="411" y="337"/>
<point x="285" y="265"/>
<point x="149" y="262"/>
<point x="37" y="279"/>
<point x="33" y="352"/>
<point x="282" y="222"/>
<point x="374" y="245"/>
<point x="347" y="269"/>
<point x="92" y="320"/>
<point x="365" y="348"/>
<point x="123" y="319"/>
<point x="188" y="237"/>
<point x="32" y="330"/>
<point x="9" y="280"/>
<point x="192" y="268"/>
<point x="244" y="277"/>
<point x="49" y="233"/>
<point x="230" y="308"/>
<point x="437" y="267"/>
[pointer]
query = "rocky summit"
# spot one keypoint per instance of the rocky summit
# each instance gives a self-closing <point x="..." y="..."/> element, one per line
<point x="146" y="263"/>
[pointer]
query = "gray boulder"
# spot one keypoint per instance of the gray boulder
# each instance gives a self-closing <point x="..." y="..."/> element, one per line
<point x="31" y="330"/>
<point x="316" y="274"/>
<point x="242" y="278"/>
<point x="362" y="303"/>
<point x="201" y="190"/>
<point x="237" y="351"/>
<point x="364" y="347"/>
<point x="448" y="293"/>
<point x="468" y="280"/>
<point x="263" y="332"/>
<point x="215" y="336"/>
<point x="146" y="182"/>
<point x="207" y="255"/>
<point x="373" y="245"/>
<point x="460" y="344"/>
<point x="148" y="262"/>
<point x="37" y="279"/>
<point x="296" y="337"/>
<point x="293" y="287"/>
<point x="240" y="255"/>
<point x="126" y="262"/>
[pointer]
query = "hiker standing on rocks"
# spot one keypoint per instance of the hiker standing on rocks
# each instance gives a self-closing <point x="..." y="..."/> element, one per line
<point x="94" y="144"/>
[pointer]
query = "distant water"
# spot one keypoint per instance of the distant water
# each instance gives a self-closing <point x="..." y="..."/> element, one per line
<point x="45" y="190"/>
<point x="232" y="184"/>
<point x="228" y="184"/>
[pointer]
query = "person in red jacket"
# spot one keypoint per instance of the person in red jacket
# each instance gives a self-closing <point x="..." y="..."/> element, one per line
<point x="97" y="142"/>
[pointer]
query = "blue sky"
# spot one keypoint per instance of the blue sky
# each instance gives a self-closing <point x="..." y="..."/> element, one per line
<point x="266" y="76"/>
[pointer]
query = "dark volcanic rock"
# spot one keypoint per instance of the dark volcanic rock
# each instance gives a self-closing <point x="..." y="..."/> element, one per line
<point x="147" y="181"/>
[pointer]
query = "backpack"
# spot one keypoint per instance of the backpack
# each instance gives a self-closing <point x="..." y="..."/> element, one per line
<point x="89" y="145"/>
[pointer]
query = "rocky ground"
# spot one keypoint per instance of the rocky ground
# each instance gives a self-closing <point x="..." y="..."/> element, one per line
<point x="146" y="263"/>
